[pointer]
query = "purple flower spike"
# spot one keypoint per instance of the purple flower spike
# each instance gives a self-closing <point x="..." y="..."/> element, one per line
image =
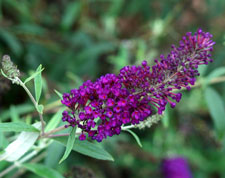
<point x="137" y="92"/>
<point x="176" y="168"/>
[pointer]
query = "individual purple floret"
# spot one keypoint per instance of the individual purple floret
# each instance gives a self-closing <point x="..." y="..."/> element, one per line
<point x="101" y="108"/>
<point x="176" y="168"/>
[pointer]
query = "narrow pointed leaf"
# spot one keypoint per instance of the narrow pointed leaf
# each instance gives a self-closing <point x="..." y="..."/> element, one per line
<point x="17" y="127"/>
<point x="33" y="75"/>
<point x="38" y="83"/>
<point x="89" y="149"/>
<point x="69" y="145"/>
<point x="135" y="136"/>
<point x="216" y="109"/>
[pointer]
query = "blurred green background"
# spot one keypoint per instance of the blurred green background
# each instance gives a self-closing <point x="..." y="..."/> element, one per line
<point x="80" y="40"/>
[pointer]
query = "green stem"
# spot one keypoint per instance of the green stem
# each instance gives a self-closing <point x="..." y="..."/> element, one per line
<point x="35" y="105"/>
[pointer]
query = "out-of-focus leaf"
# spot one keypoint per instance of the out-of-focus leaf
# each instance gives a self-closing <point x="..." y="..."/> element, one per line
<point x="55" y="120"/>
<point x="215" y="73"/>
<point x="11" y="41"/>
<point x="216" y="109"/>
<point x="17" y="127"/>
<point x="21" y="109"/>
<point x="87" y="148"/>
<point x="42" y="171"/>
<point x="33" y="75"/>
<point x="71" y="13"/>
<point x="38" y="83"/>
<point x="69" y="145"/>
<point x="135" y="136"/>
<point x="3" y="140"/>
<point x="14" y="114"/>
<point x="29" y="29"/>
<point x="165" y="119"/>
<point x="59" y="94"/>
<point x="21" y="145"/>
<point x="54" y="152"/>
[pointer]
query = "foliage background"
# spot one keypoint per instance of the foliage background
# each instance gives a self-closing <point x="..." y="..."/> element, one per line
<point x="80" y="40"/>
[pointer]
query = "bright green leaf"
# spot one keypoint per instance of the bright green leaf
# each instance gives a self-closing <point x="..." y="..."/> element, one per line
<point x="69" y="145"/>
<point x="135" y="136"/>
<point x="216" y="109"/>
<point x="17" y="127"/>
<point x="87" y="148"/>
<point x="33" y="75"/>
<point x="38" y="83"/>
<point x="42" y="171"/>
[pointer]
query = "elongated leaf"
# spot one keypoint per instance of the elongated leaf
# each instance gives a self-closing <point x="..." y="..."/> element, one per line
<point x="70" y="15"/>
<point x="14" y="114"/>
<point x="17" y="127"/>
<point x="33" y="76"/>
<point x="59" y="94"/>
<point x="69" y="145"/>
<point x="216" y="73"/>
<point x="55" y="120"/>
<point x="3" y="74"/>
<point x="3" y="141"/>
<point x="38" y="83"/>
<point x="21" y="145"/>
<point x="54" y="152"/>
<point x="21" y="109"/>
<point x="42" y="171"/>
<point x="135" y="136"/>
<point x="216" y="109"/>
<point x="87" y="148"/>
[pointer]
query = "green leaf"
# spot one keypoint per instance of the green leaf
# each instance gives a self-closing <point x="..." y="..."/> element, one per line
<point x="135" y="136"/>
<point x="42" y="170"/>
<point x="40" y="108"/>
<point x="14" y="114"/>
<point x="69" y="145"/>
<point x="3" y="141"/>
<point x="11" y="41"/>
<point x="21" y="145"/>
<point x="216" y="73"/>
<point x="71" y="12"/>
<point x="17" y="127"/>
<point x="21" y="109"/>
<point x="166" y="118"/>
<point x="54" y="152"/>
<point x="59" y="94"/>
<point x="55" y="120"/>
<point x="216" y="109"/>
<point x="87" y="148"/>
<point x="33" y="75"/>
<point x="38" y="83"/>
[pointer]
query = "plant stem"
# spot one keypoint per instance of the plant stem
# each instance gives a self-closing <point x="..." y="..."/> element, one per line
<point x="35" y="105"/>
<point x="54" y="131"/>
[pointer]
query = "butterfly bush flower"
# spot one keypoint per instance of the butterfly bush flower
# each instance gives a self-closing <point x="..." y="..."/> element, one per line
<point x="101" y="108"/>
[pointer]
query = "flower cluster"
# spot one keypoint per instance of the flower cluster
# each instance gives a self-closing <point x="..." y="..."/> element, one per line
<point x="101" y="108"/>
